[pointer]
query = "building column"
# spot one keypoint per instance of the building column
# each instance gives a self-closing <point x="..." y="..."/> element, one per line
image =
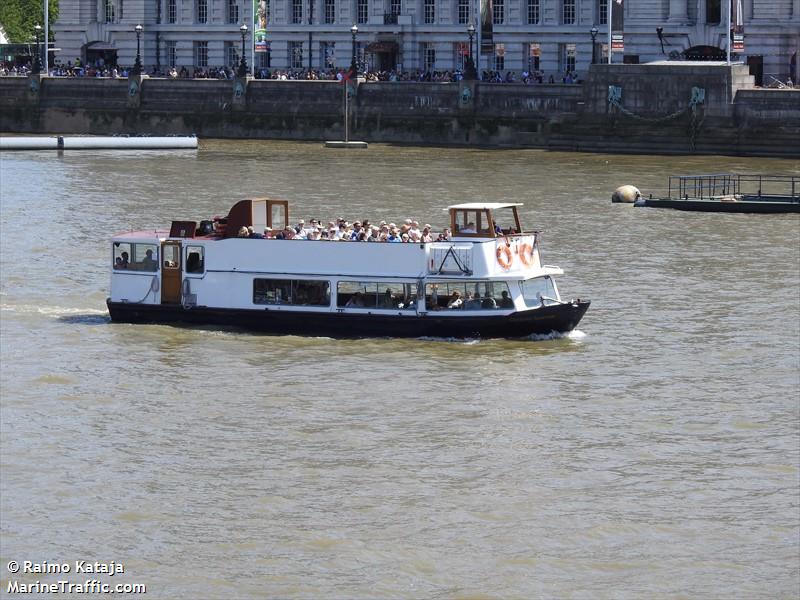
<point x="678" y="11"/>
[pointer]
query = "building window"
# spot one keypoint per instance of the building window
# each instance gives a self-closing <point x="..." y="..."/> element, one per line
<point x="498" y="12"/>
<point x="297" y="11"/>
<point x="233" y="11"/>
<point x="330" y="11"/>
<point x="296" y="55"/>
<point x="602" y="12"/>
<point x="291" y="291"/>
<point x="567" y="58"/>
<point x="363" y="11"/>
<point x="428" y="56"/>
<point x="172" y="11"/>
<point x="202" y="11"/>
<point x="172" y="53"/>
<point x="499" y="57"/>
<point x="568" y="12"/>
<point x="395" y="7"/>
<point x="109" y="11"/>
<point x="534" y="13"/>
<point x="264" y="59"/>
<point x="534" y="57"/>
<point x="327" y="55"/>
<point x="463" y="12"/>
<point x="430" y="12"/>
<point x="713" y="11"/>
<point x="121" y="9"/>
<point x="231" y="55"/>
<point x="201" y="54"/>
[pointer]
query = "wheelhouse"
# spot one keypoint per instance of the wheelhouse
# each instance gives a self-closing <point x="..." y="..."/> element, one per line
<point x="480" y="219"/>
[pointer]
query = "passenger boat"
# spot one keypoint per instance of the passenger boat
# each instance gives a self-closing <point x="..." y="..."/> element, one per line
<point x="202" y="273"/>
<point x="730" y="193"/>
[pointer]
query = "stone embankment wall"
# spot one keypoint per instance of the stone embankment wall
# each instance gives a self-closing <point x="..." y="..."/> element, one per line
<point x="658" y="108"/>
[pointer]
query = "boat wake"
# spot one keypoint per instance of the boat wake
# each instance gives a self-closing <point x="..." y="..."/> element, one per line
<point x="86" y="316"/>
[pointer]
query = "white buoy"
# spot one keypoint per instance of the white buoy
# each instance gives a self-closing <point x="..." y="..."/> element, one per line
<point x="626" y="193"/>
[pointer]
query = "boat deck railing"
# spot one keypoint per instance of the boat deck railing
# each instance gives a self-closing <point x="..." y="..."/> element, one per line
<point x="722" y="185"/>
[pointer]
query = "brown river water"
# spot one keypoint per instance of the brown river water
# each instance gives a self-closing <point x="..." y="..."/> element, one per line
<point x="653" y="453"/>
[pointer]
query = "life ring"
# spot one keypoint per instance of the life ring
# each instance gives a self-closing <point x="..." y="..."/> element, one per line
<point x="526" y="254"/>
<point x="509" y="258"/>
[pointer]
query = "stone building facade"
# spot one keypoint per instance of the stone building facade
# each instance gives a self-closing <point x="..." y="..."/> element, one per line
<point x="552" y="36"/>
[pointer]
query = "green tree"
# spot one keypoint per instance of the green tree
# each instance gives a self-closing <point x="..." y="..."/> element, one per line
<point x="18" y="18"/>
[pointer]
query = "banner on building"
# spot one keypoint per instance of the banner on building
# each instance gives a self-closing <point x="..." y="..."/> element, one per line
<point x="737" y="18"/>
<point x="487" y="38"/>
<point x="617" y="15"/>
<point x="617" y="43"/>
<point x="260" y="25"/>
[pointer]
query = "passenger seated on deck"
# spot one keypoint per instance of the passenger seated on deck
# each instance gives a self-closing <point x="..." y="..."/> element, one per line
<point x="243" y="232"/>
<point x="387" y="301"/>
<point x="505" y="301"/>
<point x="149" y="263"/>
<point x="488" y="301"/>
<point x="355" y="301"/>
<point x="455" y="300"/>
<point x="473" y="303"/>
<point x="122" y="261"/>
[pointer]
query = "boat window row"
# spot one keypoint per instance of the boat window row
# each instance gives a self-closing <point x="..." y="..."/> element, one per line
<point x="296" y="292"/>
<point x="390" y="295"/>
<point x="135" y="256"/>
<point x="468" y="295"/>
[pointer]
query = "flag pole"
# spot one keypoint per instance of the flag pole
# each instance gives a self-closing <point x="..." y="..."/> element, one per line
<point x="730" y="6"/>
<point x="46" y="37"/>
<point x="608" y="18"/>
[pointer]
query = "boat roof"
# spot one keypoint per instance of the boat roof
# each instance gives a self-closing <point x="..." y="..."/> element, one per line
<point x="483" y="205"/>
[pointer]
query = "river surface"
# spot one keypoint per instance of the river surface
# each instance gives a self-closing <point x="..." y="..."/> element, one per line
<point x="653" y="453"/>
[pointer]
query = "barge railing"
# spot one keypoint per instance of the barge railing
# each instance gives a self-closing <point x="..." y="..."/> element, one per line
<point x="751" y="187"/>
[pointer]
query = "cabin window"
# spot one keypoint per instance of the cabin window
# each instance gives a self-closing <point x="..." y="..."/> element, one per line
<point x="468" y="295"/>
<point x="539" y="291"/>
<point x="135" y="257"/>
<point x="470" y="222"/>
<point x="195" y="259"/>
<point x="387" y="295"/>
<point x="296" y="292"/>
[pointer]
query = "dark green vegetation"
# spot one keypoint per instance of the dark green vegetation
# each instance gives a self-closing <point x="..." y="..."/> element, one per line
<point x="18" y="18"/>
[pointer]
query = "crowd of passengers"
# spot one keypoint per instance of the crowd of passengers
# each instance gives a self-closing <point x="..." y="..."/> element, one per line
<point x="357" y="231"/>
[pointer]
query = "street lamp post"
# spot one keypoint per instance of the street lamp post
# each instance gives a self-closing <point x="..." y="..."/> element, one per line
<point x="469" y="70"/>
<point x="353" y="32"/>
<point x="36" y="68"/>
<point x="243" y="62"/>
<point x="594" y="31"/>
<point x="137" y="64"/>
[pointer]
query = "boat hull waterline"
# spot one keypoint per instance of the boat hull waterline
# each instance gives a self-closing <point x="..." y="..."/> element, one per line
<point x="556" y="318"/>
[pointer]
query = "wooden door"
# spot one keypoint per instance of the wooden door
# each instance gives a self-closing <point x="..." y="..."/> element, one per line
<point x="171" y="272"/>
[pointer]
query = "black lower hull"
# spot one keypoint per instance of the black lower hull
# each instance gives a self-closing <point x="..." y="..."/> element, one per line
<point x="560" y="318"/>
<point x="754" y="206"/>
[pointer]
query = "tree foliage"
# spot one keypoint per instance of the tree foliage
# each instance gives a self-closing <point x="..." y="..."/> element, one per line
<point x="18" y="18"/>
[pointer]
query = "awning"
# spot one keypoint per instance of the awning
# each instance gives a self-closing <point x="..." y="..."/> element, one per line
<point x="101" y="46"/>
<point x="381" y="47"/>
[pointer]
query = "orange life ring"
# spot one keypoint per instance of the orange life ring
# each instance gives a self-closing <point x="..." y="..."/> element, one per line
<point x="509" y="258"/>
<point x="526" y="254"/>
